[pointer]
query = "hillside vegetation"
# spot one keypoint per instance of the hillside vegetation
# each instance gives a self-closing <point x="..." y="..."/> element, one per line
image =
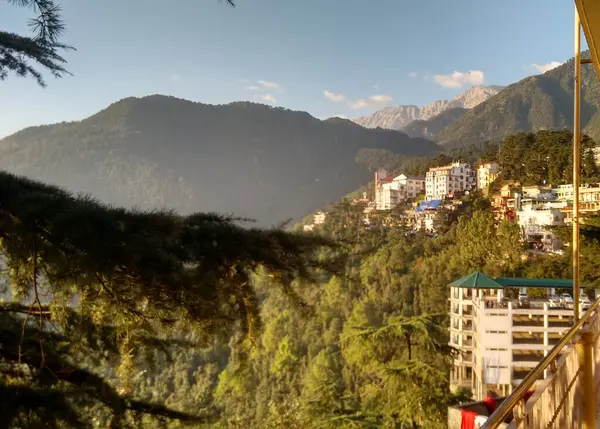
<point x="269" y="164"/>
<point x="542" y="102"/>
<point x="430" y="127"/>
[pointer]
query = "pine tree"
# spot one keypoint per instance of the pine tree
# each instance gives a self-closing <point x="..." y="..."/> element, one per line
<point x="90" y="278"/>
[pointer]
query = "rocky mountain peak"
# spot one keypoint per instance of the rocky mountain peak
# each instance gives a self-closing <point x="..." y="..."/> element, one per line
<point x="398" y="117"/>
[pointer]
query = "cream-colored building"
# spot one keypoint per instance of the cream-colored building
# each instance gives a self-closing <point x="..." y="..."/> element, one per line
<point x="454" y="178"/>
<point x="486" y="174"/>
<point x="499" y="340"/>
<point x="392" y="191"/>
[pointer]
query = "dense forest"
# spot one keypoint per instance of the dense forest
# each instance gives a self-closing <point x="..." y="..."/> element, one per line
<point x="157" y="151"/>
<point x="195" y="320"/>
<point x="117" y="318"/>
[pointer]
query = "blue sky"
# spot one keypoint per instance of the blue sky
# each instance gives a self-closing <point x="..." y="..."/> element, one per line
<point x="364" y="53"/>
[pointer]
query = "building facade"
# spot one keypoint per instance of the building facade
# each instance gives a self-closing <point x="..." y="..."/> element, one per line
<point x="486" y="174"/>
<point x="441" y="182"/>
<point x="390" y="192"/>
<point x="534" y="222"/>
<point x="499" y="341"/>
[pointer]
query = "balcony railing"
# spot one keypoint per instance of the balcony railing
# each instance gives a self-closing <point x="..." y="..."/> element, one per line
<point x="565" y="399"/>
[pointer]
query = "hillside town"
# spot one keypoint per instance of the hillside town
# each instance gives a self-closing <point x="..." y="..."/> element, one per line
<point x="418" y="200"/>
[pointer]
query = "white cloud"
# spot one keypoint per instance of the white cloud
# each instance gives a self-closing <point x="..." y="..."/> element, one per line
<point x="459" y="79"/>
<point x="381" y="99"/>
<point x="336" y="98"/>
<point x="268" y="98"/>
<point x="543" y="68"/>
<point x="269" y="85"/>
<point x="413" y="74"/>
<point x="175" y="77"/>
<point x="374" y="101"/>
<point x="361" y="103"/>
<point x="253" y="88"/>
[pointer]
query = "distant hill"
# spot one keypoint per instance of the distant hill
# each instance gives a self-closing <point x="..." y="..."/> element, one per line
<point x="398" y="117"/>
<point x="269" y="164"/>
<point x="542" y="102"/>
<point x="430" y="127"/>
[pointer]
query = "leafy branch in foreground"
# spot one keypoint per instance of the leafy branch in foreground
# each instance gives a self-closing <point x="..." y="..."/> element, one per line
<point x="17" y="51"/>
<point x="138" y="274"/>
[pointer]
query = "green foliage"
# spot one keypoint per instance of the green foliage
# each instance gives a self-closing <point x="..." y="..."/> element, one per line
<point x="542" y="102"/>
<point x="17" y="51"/>
<point x="432" y="126"/>
<point x="545" y="157"/>
<point x="132" y="276"/>
<point x="159" y="151"/>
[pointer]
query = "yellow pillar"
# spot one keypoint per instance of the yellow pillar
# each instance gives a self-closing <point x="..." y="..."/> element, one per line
<point x="576" y="163"/>
<point x="586" y="379"/>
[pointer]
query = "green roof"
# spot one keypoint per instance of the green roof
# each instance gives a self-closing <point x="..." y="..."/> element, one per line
<point x="477" y="280"/>
<point x="523" y="282"/>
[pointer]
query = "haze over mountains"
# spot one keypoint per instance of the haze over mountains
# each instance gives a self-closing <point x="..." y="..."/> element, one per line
<point x="273" y="164"/>
<point x="396" y="118"/>
<point x="269" y="164"/>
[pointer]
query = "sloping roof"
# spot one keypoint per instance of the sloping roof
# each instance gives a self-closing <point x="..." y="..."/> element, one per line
<point x="477" y="280"/>
<point x="428" y="205"/>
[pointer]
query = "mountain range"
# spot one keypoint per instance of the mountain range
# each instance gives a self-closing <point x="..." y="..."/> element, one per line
<point x="398" y="117"/>
<point x="541" y="102"/>
<point x="255" y="161"/>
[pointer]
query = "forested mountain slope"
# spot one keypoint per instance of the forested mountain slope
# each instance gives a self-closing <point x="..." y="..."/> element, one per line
<point x="269" y="164"/>
<point x="430" y="127"/>
<point x="542" y="102"/>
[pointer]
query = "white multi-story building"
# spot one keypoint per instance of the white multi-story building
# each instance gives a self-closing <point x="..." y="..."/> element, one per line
<point x="454" y="178"/>
<point x="499" y="340"/>
<point x="319" y="218"/>
<point x="534" y="222"/>
<point x="596" y="153"/>
<point x="389" y="192"/>
<point x="486" y="174"/>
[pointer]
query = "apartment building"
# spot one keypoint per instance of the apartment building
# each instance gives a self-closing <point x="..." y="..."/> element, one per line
<point x="486" y="174"/>
<point x="441" y="182"/>
<point x="391" y="191"/>
<point x="589" y="199"/>
<point x="499" y="339"/>
<point x="319" y="218"/>
<point x="596" y="153"/>
<point x="535" y="221"/>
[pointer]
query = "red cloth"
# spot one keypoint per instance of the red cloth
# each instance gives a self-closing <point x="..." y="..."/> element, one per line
<point x="529" y="394"/>
<point x="490" y="403"/>
<point x="468" y="419"/>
